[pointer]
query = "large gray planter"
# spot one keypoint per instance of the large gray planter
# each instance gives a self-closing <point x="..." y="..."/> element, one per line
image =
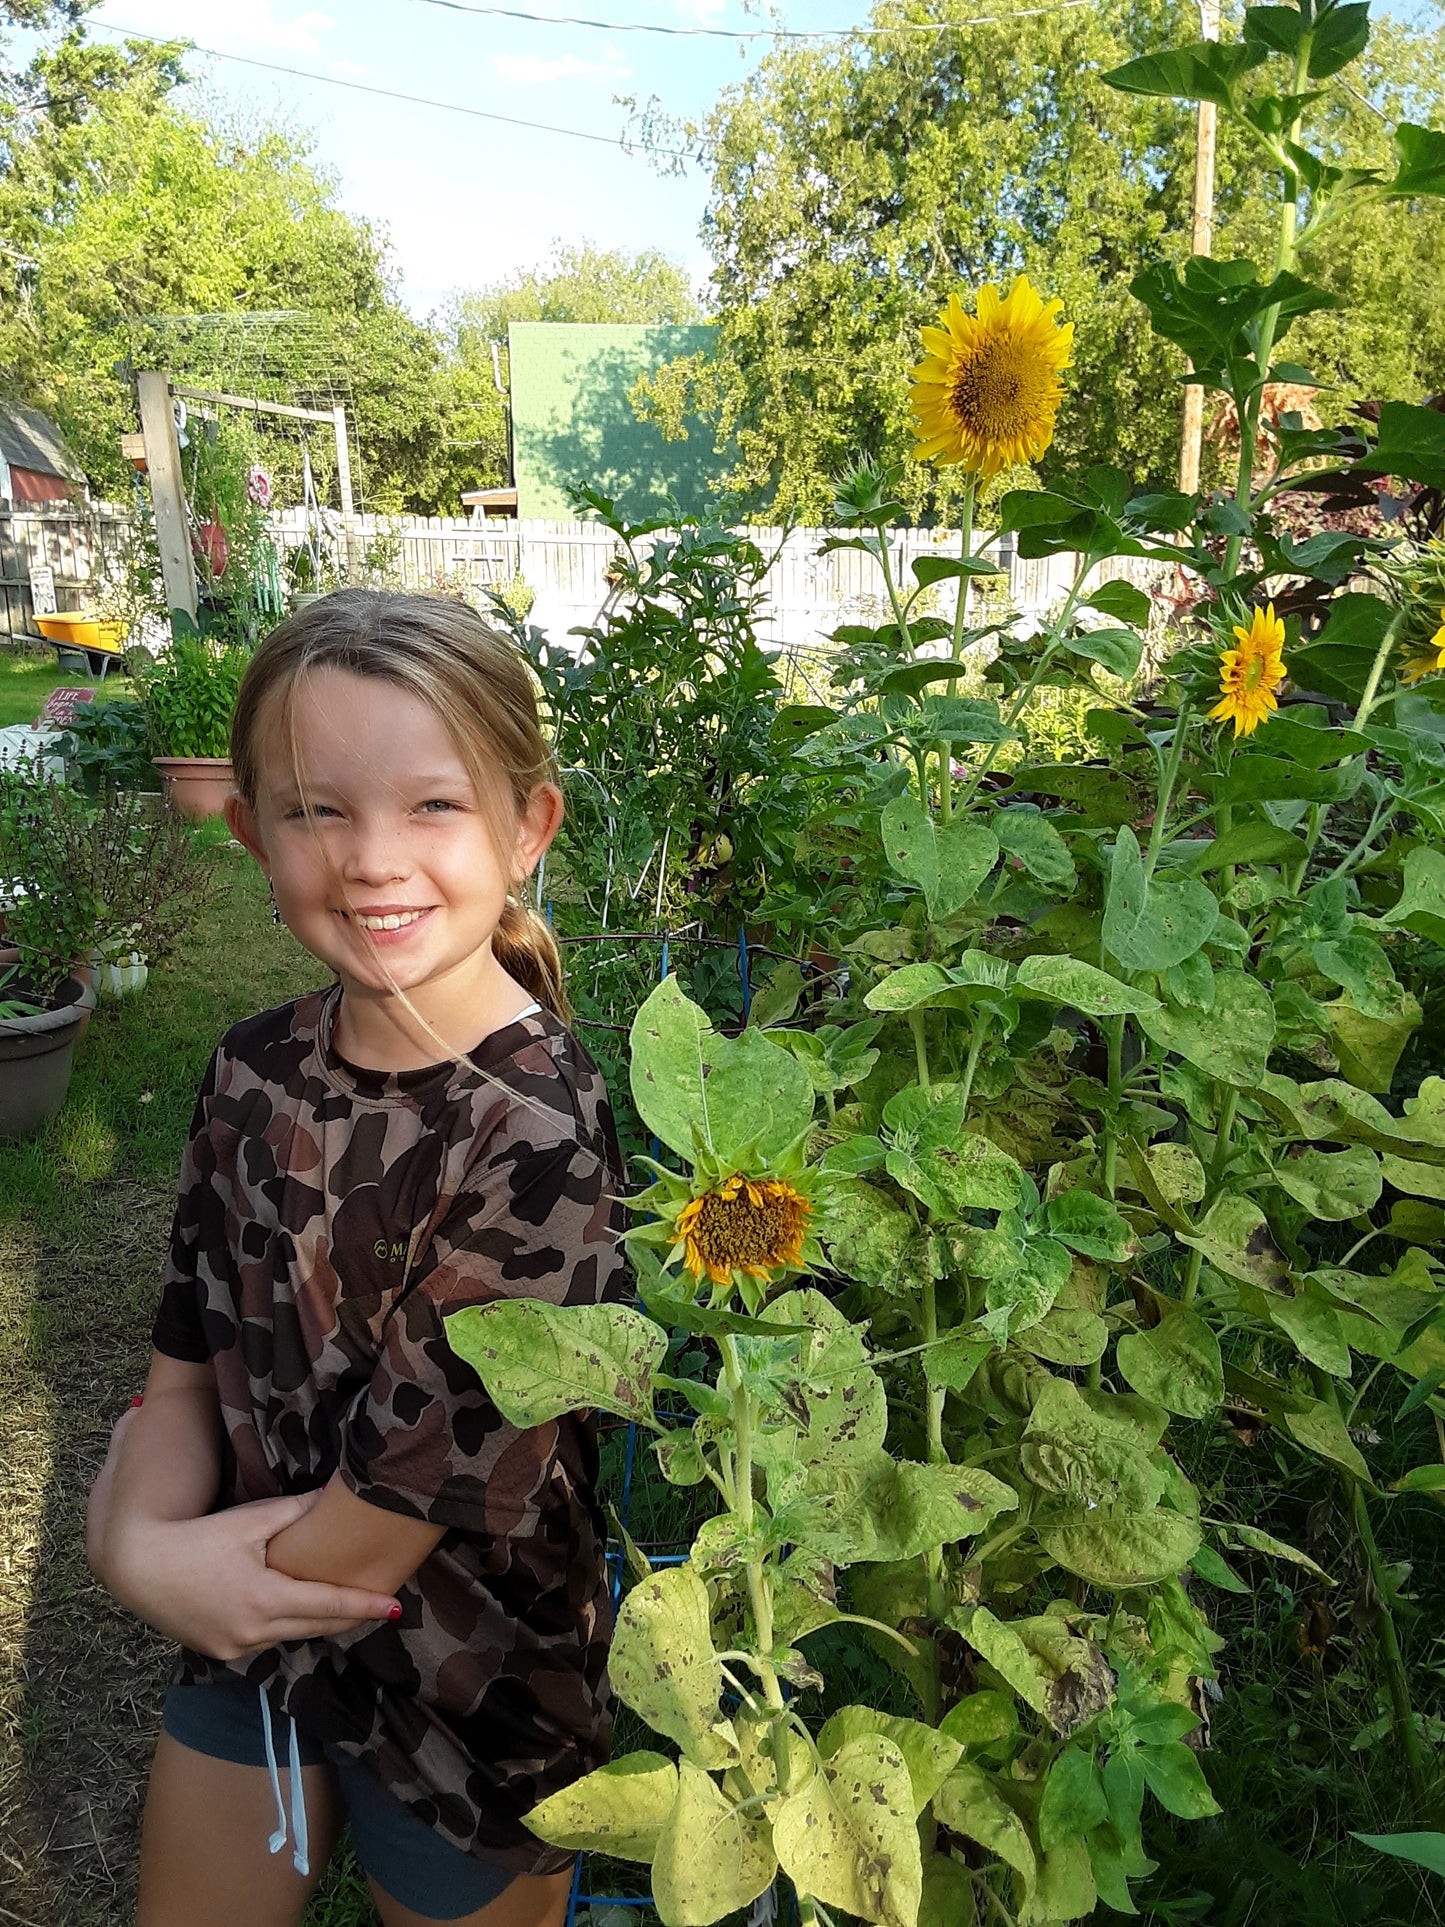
<point x="35" y="1058"/>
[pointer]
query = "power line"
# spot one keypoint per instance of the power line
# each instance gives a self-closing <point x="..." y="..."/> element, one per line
<point x="414" y="100"/>
<point x="753" y="33"/>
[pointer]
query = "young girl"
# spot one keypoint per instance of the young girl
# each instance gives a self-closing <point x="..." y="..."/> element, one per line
<point x="392" y="1604"/>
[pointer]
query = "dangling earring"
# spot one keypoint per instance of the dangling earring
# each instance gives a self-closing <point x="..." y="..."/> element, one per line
<point x="275" y="911"/>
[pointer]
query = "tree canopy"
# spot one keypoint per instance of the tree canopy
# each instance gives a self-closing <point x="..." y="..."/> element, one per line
<point x="131" y="217"/>
<point x="854" y="187"/>
<point x="142" y="233"/>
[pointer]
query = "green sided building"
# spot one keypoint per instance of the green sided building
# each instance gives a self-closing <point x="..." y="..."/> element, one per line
<point x="572" y="424"/>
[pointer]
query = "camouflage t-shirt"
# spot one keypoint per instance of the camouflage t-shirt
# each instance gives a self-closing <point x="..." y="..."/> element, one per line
<point x="329" y="1218"/>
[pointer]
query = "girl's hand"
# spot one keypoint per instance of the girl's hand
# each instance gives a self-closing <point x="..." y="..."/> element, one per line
<point x="205" y="1582"/>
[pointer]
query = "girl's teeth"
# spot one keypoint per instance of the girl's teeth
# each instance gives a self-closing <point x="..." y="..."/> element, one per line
<point x="388" y="923"/>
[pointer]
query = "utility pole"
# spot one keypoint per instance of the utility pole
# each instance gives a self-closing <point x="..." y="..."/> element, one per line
<point x="1205" y="130"/>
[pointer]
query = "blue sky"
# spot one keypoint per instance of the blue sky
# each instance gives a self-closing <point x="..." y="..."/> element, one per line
<point x="465" y="201"/>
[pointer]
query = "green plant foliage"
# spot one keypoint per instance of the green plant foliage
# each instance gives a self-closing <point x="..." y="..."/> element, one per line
<point x="1116" y="1127"/>
<point x="837" y="227"/>
<point x="82" y="875"/>
<point x="190" y="697"/>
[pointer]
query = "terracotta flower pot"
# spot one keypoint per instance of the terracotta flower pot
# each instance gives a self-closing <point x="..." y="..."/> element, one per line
<point x="197" y="786"/>
<point x="36" y="1055"/>
<point x="212" y="542"/>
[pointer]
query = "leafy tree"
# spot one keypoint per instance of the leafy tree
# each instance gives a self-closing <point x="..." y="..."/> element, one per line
<point x="577" y="284"/>
<point x="120" y="206"/>
<point x="853" y="187"/>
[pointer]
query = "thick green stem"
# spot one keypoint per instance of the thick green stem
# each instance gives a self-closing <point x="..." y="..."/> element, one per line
<point x="1406" y="1729"/>
<point x="975" y="1045"/>
<point x="1371" y="694"/>
<point x="1378" y="821"/>
<point x="1166" y="790"/>
<point x="760" y="1592"/>
<point x="965" y="551"/>
<point x="1229" y="1105"/>
<point x="1114" y="1030"/>
<point x="1055" y="630"/>
<point x="936" y="1453"/>
<point x="900" y="615"/>
<point x="933" y="1558"/>
<point x="1370" y="700"/>
<point x="920" y="1047"/>
<point x="1285" y="257"/>
<point x="960" y="618"/>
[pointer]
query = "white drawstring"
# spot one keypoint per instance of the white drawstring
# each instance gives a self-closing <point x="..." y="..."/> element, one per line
<point x="300" y="1850"/>
<point x="300" y="1853"/>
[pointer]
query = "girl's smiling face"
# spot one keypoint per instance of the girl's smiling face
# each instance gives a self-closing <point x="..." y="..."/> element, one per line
<point x="383" y="860"/>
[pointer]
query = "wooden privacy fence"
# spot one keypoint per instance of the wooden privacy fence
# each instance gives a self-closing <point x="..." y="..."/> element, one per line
<point x="79" y="544"/>
<point x="563" y="564"/>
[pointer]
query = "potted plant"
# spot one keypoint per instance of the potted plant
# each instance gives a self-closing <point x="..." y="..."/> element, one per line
<point x="108" y="886"/>
<point x="189" y="696"/>
<point x="38" y="1032"/>
<point x="45" y="996"/>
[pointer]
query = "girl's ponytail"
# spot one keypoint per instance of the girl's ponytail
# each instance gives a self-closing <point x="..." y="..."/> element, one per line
<point x="523" y="944"/>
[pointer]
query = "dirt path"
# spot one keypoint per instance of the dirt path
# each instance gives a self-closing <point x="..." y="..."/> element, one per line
<point x="80" y="1682"/>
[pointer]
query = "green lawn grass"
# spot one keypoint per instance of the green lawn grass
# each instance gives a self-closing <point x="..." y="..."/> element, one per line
<point x="84" y="1213"/>
<point x="26" y="681"/>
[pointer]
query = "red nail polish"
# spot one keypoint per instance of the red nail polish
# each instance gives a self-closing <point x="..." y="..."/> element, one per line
<point x="395" y="1612"/>
<point x="139" y="1399"/>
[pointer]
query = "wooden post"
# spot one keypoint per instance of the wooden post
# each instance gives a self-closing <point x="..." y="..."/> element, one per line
<point x="343" y="460"/>
<point x="1205" y="132"/>
<point x="168" y="496"/>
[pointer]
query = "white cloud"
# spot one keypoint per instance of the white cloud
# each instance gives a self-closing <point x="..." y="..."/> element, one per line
<point x="240" y="26"/>
<point x="530" y="70"/>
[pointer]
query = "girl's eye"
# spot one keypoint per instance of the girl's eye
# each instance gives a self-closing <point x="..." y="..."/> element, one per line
<point x="302" y="811"/>
<point x="438" y="803"/>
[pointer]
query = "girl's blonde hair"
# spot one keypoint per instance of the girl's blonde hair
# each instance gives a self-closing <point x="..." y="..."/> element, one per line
<point x="441" y="651"/>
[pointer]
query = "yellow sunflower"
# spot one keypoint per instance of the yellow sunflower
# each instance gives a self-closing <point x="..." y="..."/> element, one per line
<point x="1250" y="674"/>
<point x="988" y="392"/>
<point x="753" y="1225"/>
<point x="1419" y="666"/>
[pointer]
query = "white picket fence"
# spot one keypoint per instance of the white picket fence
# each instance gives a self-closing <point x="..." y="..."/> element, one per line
<point x="564" y="564"/>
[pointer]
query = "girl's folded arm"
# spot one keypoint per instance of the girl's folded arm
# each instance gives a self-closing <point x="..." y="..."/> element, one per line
<point x="164" y="1461"/>
<point x="347" y="1541"/>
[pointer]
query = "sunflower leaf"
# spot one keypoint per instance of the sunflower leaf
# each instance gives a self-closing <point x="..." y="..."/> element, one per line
<point x="538" y="1361"/>
<point x="729" y="1093"/>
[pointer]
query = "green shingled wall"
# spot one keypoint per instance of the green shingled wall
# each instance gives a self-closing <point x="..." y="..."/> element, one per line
<point x="572" y="421"/>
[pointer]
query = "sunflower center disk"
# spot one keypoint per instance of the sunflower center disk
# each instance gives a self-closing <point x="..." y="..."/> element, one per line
<point x="1002" y="393"/>
<point x="751" y="1226"/>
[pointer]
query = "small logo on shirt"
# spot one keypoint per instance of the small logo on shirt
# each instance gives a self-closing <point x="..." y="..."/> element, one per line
<point x="393" y="1253"/>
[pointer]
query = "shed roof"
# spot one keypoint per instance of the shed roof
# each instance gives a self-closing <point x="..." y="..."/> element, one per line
<point x="29" y="439"/>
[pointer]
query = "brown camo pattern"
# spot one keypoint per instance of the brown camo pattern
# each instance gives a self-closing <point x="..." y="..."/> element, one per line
<point x="329" y="1218"/>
